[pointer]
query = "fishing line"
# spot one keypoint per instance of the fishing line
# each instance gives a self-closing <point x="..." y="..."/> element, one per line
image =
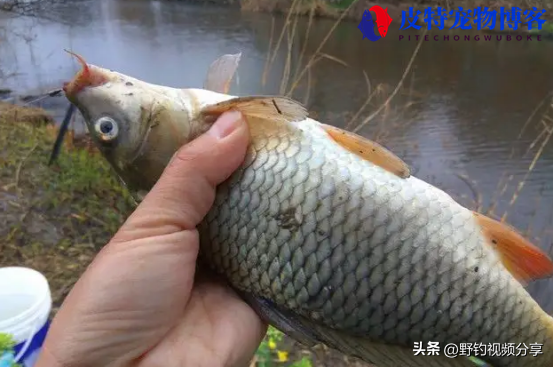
<point x="63" y="127"/>
<point x="53" y="93"/>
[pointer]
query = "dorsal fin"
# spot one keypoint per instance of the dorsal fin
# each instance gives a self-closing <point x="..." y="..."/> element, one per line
<point x="369" y="150"/>
<point x="221" y="72"/>
<point x="521" y="258"/>
<point x="261" y="107"/>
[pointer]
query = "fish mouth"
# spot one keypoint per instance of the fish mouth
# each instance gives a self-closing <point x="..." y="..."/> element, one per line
<point x="88" y="76"/>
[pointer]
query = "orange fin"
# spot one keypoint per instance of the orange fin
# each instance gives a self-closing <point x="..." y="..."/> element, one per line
<point x="521" y="258"/>
<point x="369" y="150"/>
<point x="270" y="108"/>
<point x="221" y="73"/>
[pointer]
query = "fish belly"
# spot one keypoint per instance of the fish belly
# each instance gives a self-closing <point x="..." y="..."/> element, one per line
<point x="348" y="246"/>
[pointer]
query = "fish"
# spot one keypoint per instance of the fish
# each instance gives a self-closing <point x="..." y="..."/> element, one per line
<point x="326" y="234"/>
<point x="382" y="19"/>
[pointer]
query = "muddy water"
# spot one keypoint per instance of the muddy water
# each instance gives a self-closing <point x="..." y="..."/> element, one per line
<point x="460" y="111"/>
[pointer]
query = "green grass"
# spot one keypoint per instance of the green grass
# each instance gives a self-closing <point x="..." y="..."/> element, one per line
<point x="272" y="352"/>
<point x="6" y="342"/>
<point x="56" y="217"/>
<point x="6" y="346"/>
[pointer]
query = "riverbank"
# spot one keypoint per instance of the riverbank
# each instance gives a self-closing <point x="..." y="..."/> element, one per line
<point x="353" y="10"/>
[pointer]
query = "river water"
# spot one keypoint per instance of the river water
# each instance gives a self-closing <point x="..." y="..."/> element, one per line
<point x="460" y="110"/>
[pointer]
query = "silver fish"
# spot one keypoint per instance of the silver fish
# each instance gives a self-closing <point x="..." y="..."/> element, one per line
<point x="326" y="234"/>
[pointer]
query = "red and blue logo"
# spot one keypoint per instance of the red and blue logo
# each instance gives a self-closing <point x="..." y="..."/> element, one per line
<point x="382" y="21"/>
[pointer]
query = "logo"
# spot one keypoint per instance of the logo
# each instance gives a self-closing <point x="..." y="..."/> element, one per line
<point x="367" y="26"/>
<point x="509" y="23"/>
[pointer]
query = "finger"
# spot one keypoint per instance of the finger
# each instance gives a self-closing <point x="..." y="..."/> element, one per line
<point x="154" y="256"/>
<point x="217" y="329"/>
<point x="237" y="329"/>
<point x="186" y="190"/>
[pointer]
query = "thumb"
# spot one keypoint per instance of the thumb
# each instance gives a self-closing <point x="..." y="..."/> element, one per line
<point x="186" y="189"/>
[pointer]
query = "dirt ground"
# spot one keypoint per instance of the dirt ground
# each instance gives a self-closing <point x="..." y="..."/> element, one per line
<point x="56" y="217"/>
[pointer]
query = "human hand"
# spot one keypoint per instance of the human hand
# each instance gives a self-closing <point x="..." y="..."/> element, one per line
<point x="139" y="303"/>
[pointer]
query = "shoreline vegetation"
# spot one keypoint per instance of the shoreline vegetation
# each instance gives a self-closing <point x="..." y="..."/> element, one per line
<point x="58" y="217"/>
<point x="352" y="10"/>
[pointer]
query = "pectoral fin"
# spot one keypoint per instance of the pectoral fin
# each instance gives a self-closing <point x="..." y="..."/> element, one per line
<point x="377" y="354"/>
<point x="221" y="72"/>
<point x="369" y="150"/>
<point x="260" y="107"/>
<point x="283" y="320"/>
<point x="521" y="258"/>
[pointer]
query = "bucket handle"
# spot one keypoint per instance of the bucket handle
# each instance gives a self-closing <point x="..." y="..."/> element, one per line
<point x="27" y="341"/>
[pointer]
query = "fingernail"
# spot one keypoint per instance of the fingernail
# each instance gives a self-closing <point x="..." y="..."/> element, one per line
<point x="226" y="124"/>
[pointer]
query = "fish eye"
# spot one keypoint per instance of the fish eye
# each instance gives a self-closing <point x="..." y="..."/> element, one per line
<point x="107" y="128"/>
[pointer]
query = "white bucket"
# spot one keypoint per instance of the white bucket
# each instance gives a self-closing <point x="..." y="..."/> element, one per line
<point x="25" y="304"/>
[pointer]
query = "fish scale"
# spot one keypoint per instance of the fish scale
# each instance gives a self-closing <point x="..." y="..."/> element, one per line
<point x="325" y="234"/>
<point x="382" y="245"/>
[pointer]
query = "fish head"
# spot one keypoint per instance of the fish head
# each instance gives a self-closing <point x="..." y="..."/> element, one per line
<point x="137" y="126"/>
